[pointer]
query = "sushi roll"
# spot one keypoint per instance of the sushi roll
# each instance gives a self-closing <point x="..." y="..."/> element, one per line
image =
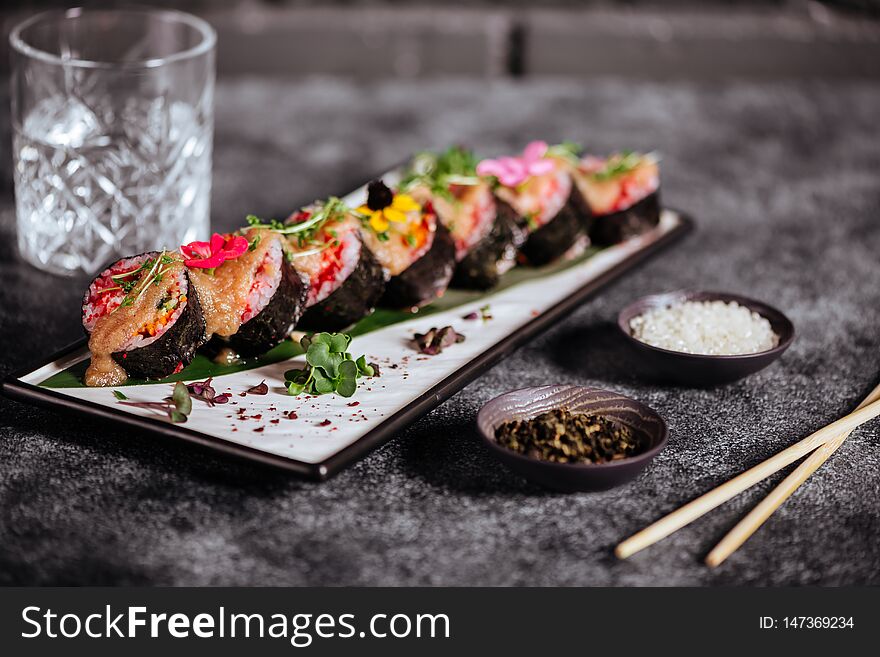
<point x="143" y="318"/>
<point x="539" y="187"/>
<point x="346" y="280"/>
<point x="251" y="294"/>
<point x="485" y="229"/>
<point x="416" y="249"/>
<point x="623" y="193"/>
<point x="481" y="268"/>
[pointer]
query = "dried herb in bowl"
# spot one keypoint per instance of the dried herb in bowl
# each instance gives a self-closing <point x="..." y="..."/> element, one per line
<point x="563" y="437"/>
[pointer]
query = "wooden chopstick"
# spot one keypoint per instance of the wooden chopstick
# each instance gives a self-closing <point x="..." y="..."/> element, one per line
<point x="757" y="516"/>
<point x="705" y="503"/>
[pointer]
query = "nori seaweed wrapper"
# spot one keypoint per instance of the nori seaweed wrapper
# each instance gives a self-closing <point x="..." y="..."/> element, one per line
<point x="174" y="349"/>
<point x="550" y="241"/>
<point x="273" y="323"/>
<point x="483" y="265"/>
<point x="427" y="278"/>
<point x="619" y="226"/>
<point x="353" y="300"/>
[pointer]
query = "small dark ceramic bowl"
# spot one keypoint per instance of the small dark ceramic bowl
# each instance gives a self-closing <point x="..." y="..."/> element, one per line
<point x="572" y="477"/>
<point x="698" y="369"/>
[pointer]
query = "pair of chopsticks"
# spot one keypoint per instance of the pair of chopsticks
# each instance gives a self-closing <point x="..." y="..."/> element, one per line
<point x="822" y="443"/>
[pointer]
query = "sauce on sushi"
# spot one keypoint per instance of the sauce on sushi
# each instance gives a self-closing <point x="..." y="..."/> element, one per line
<point x="225" y="291"/>
<point x="136" y="314"/>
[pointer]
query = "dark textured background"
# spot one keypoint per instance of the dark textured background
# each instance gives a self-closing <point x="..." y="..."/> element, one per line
<point x="767" y="124"/>
<point x="783" y="181"/>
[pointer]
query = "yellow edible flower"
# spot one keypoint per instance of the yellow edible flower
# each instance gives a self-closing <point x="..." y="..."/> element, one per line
<point x="380" y="220"/>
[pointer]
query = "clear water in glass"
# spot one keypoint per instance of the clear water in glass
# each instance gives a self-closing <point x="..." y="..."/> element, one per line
<point x="93" y="187"/>
<point x="112" y="132"/>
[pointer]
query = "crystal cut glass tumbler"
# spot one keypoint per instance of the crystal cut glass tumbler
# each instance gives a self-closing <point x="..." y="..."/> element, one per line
<point x="112" y="116"/>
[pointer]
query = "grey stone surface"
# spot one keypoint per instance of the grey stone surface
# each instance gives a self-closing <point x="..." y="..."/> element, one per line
<point x="783" y="182"/>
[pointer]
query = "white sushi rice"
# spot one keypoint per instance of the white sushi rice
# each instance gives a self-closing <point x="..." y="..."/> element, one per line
<point x="705" y="327"/>
<point x="265" y="283"/>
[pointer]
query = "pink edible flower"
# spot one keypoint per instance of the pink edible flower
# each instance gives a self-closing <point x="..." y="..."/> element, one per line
<point x="513" y="171"/>
<point x="208" y="255"/>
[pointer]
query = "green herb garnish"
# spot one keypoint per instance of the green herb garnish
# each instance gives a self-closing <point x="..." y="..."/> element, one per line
<point x="177" y="407"/>
<point x="620" y="164"/>
<point x="437" y="171"/>
<point x="332" y="208"/>
<point x="154" y="275"/>
<point x="329" y="367"/>
<point x="567" y="150"/>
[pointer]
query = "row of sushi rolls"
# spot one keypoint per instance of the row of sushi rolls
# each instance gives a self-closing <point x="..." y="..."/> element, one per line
<point x="451" y="220"/>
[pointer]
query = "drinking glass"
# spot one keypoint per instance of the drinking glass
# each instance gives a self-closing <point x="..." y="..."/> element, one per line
<point x="112" y="115"/>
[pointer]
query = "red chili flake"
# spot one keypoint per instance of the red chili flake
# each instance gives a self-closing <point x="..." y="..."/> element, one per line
<point x="124" y="354"/>
<point x="260" y="429"/>
<point x="325" y="423"/>
<point x="291" y="415"/>
<point x="258" y="416"/>
<point x="355" y="403"/>
<point x="242" y="394"/>
<point x="275" y="421"/>
<point x="179" y="368"/>
<point x="221" y="398"/>
<point x="235" y="428"/>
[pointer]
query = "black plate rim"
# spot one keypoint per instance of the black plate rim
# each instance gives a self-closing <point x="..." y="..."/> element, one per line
<point x="14" y="388"/>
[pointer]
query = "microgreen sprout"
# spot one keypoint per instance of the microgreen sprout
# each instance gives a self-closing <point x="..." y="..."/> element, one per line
<point x="329" y="367"/>
<point x="622" y="163"/>
<point x="437" y="171"/>
<point x="177" y="407"/>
